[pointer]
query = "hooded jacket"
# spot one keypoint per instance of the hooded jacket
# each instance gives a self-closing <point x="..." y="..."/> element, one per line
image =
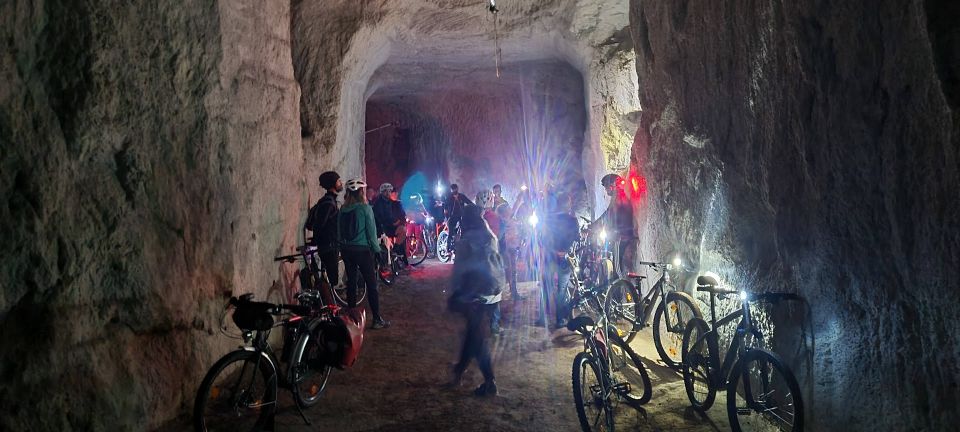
<point x="478" y="275"/>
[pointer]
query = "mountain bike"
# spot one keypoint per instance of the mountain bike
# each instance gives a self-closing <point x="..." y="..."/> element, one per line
<point x="444" y="247"/>
<point x="585" y="298"/>
<point x="762" y="392"/>
<point x="239" y="392"/>
<point x="663" y="306"/>
<point x="605" y="374"/>
<point x="594" y="257"/>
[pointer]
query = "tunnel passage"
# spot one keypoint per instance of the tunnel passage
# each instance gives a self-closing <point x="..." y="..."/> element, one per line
<point x="465" y="125"/>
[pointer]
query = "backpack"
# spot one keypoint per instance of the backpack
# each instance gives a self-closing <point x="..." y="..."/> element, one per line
<point x="348" y="225"/>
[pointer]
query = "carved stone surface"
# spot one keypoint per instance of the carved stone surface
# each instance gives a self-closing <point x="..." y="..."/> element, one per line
<point x="813" y="148"/>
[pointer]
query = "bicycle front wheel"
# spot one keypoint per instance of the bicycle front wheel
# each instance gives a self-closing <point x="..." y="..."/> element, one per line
<point x="623" y="308"/>
<point x="669" y="322"/>
<point x="309" y="371"/>
<point x="239" y="393"/>
<point x="443" y="253"/>
<point x="631" y="380"/>
<point x="590" y="394"/>
<point x="698" y="352"/>
<point x="764" y="395"/>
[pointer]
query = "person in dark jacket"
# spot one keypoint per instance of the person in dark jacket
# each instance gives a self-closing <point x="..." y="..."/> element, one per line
<point x="476" y="287"/>
<point x="560" y="231"/>
<point x="322" y="223"/>
<point x="391" y="219"/>
<point x="356" y="232"/>
<point x="453" y="209"/>
<point x="618" y="220"/>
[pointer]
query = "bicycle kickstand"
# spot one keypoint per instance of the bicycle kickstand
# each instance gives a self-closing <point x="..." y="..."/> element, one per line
<point x="303" y="415"/>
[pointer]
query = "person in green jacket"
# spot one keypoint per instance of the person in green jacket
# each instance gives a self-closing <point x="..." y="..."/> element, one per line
<point x="357" y="235"/>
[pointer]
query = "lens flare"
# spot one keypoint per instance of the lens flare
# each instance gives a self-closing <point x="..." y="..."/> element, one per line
<point x="533" y="220"/>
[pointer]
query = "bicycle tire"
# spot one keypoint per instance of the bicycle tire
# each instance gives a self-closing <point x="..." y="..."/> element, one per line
<point x="260" y="402"/>
<point x="416" y="244"/>
<point x="672" y="353"/>
<point x="308" y="380"/>
<point x="443" y="254"/>
<point x="698" y="355"/>
<point x="633" y="372"/>
<point x="584" y="366"/>
<point x="623" y="308"/>
<point x="340" y="291"/>
<point x="770" y="403"/>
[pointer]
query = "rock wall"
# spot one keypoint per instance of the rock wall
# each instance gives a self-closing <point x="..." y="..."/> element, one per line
<point x="812" y="147"/>
<point x="150" y="165"/>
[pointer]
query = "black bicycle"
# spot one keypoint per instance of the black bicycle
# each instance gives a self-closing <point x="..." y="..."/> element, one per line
<point x="605" y="374"/>
<point x="313" y="277"/>
<point x="762" y="392"/>
<point x="239" y="392"/>
<point x="664" y="306"/>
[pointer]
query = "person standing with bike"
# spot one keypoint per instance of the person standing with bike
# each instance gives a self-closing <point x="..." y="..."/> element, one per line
<point x="476" y="288"/>
<point x="619" y="223"/>
<point x="560" y="231"/>
<point x="356" y="233"/>
<point x="453" y="209"/>
<point x="322" y="223"/>
<point x="391" y="220"/>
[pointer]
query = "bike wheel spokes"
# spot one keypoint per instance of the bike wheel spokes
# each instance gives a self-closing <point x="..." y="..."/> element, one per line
<point x="696" y="365"/>
<point x="592" y="398"/>
<point x="620" y="306"/>
<point x="765" y="395"/>
<point x="669" y="322"/>
<point x="237" y="394"/>
<point x="630" y="379"/>
<point x="310" y="373"/>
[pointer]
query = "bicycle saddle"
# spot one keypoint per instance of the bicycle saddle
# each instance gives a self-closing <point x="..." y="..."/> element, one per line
<point x="579" y="322"/>
<point x="707" y="282"/>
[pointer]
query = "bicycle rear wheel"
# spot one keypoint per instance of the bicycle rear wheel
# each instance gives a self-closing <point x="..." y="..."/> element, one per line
<point x="698" y="352"/>
<point x="626" y="367"/>
<point x="309" y="372"/>
<point x="416" y="249"/>
<point x="340" y="291"/>
<point x="623" y="308"/>
<point x="764" y="395"/>
<point x="669" y="322"/>
<point x="239" y="393"/>
<point x="590" y="394"/>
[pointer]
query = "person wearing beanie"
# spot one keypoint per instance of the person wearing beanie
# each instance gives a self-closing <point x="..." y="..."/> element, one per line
<point x="322" y="222"/>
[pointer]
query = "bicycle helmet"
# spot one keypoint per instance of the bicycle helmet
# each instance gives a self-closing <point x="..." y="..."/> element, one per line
<point x="611" y="179"/>
<point x="386" y="187"/>
<point x="356" y="184"/>
<point x="485" y="199"/>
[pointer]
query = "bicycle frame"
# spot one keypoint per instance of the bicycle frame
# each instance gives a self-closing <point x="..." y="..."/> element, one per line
<point x="720" y="375"/>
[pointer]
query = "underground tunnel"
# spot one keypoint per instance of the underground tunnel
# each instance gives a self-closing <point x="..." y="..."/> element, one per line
<point x="156" y="158"/>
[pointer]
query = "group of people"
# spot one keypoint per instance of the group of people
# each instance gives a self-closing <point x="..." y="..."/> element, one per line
<point x="350" y="232"/>
<point x="491" y="231"/>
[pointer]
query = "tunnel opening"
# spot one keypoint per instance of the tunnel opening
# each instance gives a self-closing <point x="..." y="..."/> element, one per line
<point x="462" y="124"/>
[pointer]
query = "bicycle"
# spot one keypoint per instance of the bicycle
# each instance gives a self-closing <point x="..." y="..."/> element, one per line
<point x="416" y="244"/>
<point x="312" y="275"/>
<point x="756" y="380"/>
<point x="603" y="375"/>
<point x="670" y="310"/>
<point x="239" y="392"/>
<point x="444" y="252"/>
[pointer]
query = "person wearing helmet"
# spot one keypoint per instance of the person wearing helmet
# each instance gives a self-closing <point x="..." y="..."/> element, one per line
<point x="356" y="233"/>
<point x="391" y="220"/>
<point x="619" y="223"/>
<point x="322" y="223"/>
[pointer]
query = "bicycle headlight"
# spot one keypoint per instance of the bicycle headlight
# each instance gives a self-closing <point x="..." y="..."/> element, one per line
<point x="677" y="262"/>
<point x="743" y="295"/>
<point x="603" y="235"/>
<point x="533" y="220"/>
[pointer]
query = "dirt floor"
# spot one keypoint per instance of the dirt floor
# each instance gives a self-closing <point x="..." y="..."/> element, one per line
<point x="397" y="384"/>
